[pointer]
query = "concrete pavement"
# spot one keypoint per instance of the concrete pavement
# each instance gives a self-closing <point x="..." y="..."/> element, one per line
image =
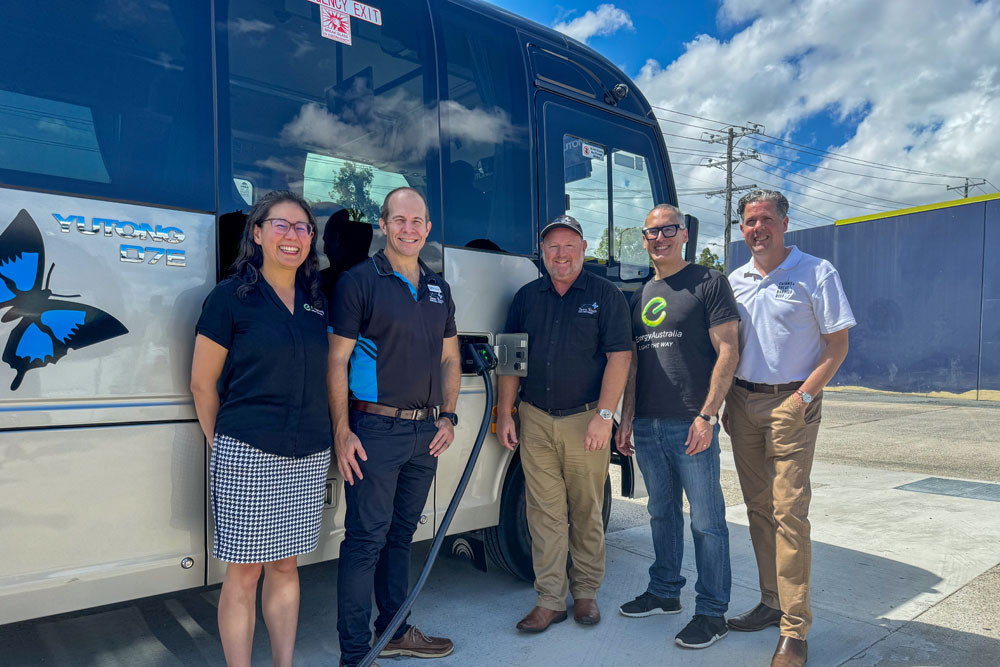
<point x="901" y="576"/>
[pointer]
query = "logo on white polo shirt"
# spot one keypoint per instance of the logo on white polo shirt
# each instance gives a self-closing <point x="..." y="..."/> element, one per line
<point x="786" y="289"/>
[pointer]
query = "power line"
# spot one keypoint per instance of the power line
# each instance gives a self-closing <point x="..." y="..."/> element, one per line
<point x="852" y="173"/>
<point x="830" y="185"/>
<point x="865" y="204"/>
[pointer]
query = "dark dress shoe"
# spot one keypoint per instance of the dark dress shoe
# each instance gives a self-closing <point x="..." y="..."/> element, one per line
<point x="585" y="612"/>
<point x="758" y="618"/>
<point x="791" y="652"/>
<point x="540" y="619"/>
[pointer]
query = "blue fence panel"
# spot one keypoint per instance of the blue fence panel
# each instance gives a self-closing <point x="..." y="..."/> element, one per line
<point x="989" y="360"/>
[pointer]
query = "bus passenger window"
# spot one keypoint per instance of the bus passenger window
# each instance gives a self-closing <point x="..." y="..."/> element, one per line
<point x="343" y="124"/>
<point x="484" y="121"/>
<point x="107" y="103"/>
<point x="585" y="170"/>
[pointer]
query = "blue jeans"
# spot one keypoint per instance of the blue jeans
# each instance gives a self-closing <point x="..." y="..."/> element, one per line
<point x="659" y="449"/>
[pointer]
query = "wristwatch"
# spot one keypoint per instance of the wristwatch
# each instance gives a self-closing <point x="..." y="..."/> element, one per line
<point x="806" y="398"/>
<point x="606" y="414"/>
<point x="711" y="419"/>
<point x="451" y="416"/>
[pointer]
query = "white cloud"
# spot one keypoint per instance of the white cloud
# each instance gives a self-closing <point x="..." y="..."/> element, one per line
<point x="606" y="20"/>
<point x="916" y="83"/>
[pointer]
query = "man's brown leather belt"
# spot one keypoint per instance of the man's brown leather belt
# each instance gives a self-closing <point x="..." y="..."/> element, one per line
<point x="389" y="411"/>
<point x="761" y="388"/>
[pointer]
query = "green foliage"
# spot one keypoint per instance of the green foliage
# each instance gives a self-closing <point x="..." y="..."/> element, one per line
<point x="351" y="187"/>
<point x="710" y="259"/>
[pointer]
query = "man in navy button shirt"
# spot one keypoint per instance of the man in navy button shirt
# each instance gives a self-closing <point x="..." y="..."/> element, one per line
<point x="579" y="348"/>
<point x="394" y="360"/>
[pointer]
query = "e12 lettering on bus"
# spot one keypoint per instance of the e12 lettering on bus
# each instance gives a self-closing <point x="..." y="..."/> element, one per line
<point x="133" y="231"/>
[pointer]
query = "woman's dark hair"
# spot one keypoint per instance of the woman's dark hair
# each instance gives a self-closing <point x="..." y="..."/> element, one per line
<point x="250" y="258"/>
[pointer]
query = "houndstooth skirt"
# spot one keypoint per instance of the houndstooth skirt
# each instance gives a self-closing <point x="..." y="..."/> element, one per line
<point x="266" y="507"/>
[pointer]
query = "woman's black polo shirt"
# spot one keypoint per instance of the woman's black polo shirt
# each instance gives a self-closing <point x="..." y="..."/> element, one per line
<point x="400" y="330"/>
<point x="273" y="385"/>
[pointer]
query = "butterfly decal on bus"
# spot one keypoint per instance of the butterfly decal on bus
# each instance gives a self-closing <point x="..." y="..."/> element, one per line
<point x="48" y="327"/>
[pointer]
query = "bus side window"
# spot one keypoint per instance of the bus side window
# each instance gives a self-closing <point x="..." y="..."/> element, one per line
<point x="107" y="103"/>
<point x="484" y="122"/>
<point x="342" y="124"/>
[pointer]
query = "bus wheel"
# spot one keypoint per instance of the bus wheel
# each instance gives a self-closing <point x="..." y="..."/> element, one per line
<point x="508" y="544"/>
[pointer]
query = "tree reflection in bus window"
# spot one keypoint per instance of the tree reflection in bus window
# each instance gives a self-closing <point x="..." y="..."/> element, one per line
<point x="586" y="178"/>
<point x="632" y="196"/>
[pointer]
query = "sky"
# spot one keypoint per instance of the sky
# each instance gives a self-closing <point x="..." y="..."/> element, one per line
<point x="866" y="105"/>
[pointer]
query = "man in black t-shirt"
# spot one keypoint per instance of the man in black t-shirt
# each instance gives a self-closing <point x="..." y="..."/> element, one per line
<point x="685" y="329"/>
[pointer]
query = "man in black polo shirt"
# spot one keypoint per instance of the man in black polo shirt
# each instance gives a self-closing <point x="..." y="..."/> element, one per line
<point x="394" y="359"/>
<point x="579" y="349"/>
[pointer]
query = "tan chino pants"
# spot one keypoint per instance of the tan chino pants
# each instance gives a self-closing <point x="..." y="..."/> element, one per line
<point x="565" y="497"/>
<point x="773" y="446"/>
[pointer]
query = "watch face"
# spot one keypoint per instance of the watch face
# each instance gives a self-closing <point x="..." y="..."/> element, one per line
<point x="605" y="414"/>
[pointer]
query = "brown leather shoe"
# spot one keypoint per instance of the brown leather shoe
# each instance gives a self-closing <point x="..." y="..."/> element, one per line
<point x="586" y="612"/>
<point x="758" y="618"/>
<point x="418" y="645"/>
<point x="540" y="619"/>
<point x="791" y="652"/>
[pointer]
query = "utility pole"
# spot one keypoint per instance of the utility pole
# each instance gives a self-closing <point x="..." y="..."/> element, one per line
<point x="730" y="137"/>
<point x="965" y="188"/>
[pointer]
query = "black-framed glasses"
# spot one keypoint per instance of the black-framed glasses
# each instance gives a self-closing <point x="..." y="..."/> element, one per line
<point x="668" y="231"/>
<point x="281" y="226"/>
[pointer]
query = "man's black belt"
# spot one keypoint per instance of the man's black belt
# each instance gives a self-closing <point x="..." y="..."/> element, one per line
<point x="389" y="411"/>
<point x="568" y="411"/>
<point x="761" y="388"/>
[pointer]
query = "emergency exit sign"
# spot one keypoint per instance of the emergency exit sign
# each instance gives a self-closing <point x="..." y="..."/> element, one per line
<point x="358" y="10"/>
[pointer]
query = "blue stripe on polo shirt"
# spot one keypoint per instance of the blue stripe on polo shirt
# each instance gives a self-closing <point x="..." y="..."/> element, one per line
<point x="413" y="290"/>
<point x="362" y="378"/>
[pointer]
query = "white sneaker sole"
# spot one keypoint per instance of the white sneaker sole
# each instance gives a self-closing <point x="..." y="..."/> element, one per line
<point x="714" y="639"/>
<point x="652" y="612"/>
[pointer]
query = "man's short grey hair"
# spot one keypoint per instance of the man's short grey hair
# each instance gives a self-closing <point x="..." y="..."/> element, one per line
<point x="672" y="209"/>
<point x="780" y="203"/>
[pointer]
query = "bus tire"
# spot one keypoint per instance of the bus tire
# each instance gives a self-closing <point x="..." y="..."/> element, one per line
<point x="508" y="544"/>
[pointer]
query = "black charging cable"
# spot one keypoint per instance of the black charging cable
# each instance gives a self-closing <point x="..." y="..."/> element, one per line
<point x="484" y="361"/>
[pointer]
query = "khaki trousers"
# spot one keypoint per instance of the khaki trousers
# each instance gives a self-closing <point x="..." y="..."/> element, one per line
<point x="773" y="445"/>
<point x="565" y="496"/>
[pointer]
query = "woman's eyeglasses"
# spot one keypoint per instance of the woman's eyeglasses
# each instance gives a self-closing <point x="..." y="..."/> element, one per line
<point x="281" y="227"/>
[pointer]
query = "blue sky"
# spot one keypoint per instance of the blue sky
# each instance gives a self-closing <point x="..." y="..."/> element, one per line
<point x="866" y="106"/>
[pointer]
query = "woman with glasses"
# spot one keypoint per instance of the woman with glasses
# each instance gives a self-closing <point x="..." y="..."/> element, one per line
<point x="259" y="384"/>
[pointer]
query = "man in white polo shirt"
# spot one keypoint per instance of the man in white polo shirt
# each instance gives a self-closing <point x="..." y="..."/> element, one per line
<point x="794" y="318"/>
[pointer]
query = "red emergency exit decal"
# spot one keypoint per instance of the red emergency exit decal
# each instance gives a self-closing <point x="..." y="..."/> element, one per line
<point x="336" y="25"/>
<point x="358" y="10"/>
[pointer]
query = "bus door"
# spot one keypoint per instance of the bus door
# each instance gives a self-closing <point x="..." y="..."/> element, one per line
<point x="607" y="172"/>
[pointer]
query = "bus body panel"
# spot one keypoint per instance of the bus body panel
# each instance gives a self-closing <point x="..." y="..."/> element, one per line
<point x="98" y="515"/>
<point x="474" y="272"/>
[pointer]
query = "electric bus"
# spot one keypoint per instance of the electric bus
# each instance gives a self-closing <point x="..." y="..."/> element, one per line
<point x="134" y="137"/>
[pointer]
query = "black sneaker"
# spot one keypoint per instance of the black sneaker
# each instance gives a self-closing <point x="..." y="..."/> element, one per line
<point x="648" y="604"/>
<point x="702" y="632"/>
